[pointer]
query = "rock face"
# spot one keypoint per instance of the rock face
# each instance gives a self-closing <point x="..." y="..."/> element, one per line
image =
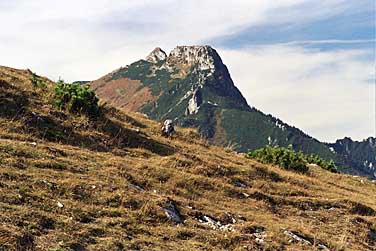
<point x="193" y="87"/>
<point x="203" y="58"/>
<point x="194" y="103"/>
<point x="156" y="55"/>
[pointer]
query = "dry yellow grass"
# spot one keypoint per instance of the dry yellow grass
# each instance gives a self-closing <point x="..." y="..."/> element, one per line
<point x="114" y="176"/>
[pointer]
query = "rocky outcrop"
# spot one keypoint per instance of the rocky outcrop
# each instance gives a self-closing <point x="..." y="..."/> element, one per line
<point x="172" y="212"/>
<point x="206" y="65"/>
<point x="194" y="103"/>
<point x="156" y="55"/>
<point x="203" y="58"/>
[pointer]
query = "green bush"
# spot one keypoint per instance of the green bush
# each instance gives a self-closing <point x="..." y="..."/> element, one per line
<point x="281" y="156"/>
<point x="328" y="165"/>
<point x="76" y="98"/>
<point x="289" y="159"/>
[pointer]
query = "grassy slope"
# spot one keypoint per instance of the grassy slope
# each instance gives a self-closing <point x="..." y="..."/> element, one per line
<point x="114" y="175"/>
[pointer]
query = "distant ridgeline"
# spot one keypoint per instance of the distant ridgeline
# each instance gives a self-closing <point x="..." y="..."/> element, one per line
<point x="193" y="87"/>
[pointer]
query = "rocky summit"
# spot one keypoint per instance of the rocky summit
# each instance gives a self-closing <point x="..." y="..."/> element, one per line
<point x="156" y="55"/>
<point x="193" y="87"/>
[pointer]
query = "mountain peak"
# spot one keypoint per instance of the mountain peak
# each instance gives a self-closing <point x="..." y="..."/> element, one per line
<point x="193" y="48"/>
<point x="193" y="87"/>
<point x="156" y="55"/>
<point x="204" y="57"/>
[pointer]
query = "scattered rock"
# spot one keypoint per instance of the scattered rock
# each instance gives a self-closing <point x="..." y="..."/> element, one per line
<point x="210" y="221"/>
<point x="242" y="218"/>
<point x="260" y="237"/>
<point x="239" y="184"/>
<point x="296" y="237"/>
<point x="50" y="185"/>
<point x="59" y="204"/>
<point x="322" y="247"/>
<point x="228" y="219"/>
<point x="214" y="223"/>
<point x="136" y="187"/>
<point x="135" y="130"/>
<point x="33" y="144"/>
<point x="259" y="241"/>
<point x="245" y="195"/>
<point x="257" y="231"/>
<point x="172" y="212"/>
<point x="36" y="117"/>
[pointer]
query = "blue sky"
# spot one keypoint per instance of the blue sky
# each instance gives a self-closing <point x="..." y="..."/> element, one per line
<point x="349" y="28"/>
<point x="310" y="63"/>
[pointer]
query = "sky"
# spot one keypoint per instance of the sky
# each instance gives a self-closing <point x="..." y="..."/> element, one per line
<point x="310" y="63"/>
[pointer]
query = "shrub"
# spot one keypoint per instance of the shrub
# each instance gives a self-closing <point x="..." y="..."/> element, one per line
<point x="289" y="159"/>
<point x="284" y="157"/>
<point x="328" y="165"/>
<point x="76" y="98"/>
<point x="37" y="81"/>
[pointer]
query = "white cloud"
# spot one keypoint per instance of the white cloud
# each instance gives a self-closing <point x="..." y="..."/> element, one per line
<point x="83" y="40"/>
<point x="87" y="38"/>
<point x="327" y="94"/>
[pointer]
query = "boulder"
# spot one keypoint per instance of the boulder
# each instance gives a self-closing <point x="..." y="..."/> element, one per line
<point x="167" y="128"/>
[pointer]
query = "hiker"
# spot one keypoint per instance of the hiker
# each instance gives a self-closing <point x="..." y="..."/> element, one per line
<point x="167" y="128"/>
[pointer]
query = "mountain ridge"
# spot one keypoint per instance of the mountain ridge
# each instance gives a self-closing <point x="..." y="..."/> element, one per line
<point x="193" y="87"/>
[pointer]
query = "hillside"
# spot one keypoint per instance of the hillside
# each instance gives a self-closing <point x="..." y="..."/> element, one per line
<point x="193" y="87"/>
<point x="111" y="182"/>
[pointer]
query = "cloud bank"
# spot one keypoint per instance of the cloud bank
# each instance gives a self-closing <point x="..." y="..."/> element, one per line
<point x="328" y="94"/>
